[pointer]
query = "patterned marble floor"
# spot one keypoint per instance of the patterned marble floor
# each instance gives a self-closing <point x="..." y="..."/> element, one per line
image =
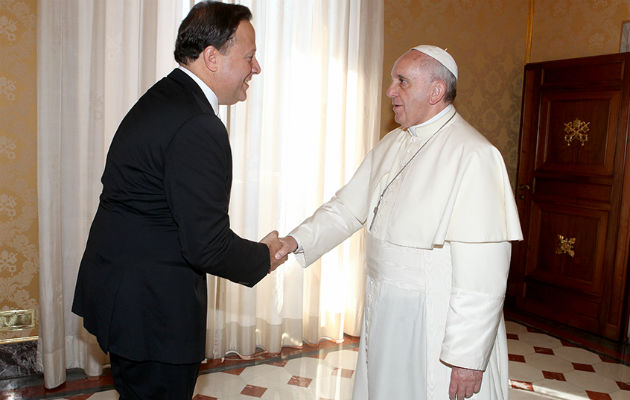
<point x="541" y="367"/>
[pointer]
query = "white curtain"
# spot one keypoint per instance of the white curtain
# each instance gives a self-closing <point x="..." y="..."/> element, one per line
<point x="95" y="58"/>
<point x="310" y="118"/>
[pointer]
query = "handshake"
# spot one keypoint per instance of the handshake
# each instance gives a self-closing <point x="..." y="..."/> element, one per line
<point x="279" y="248"/>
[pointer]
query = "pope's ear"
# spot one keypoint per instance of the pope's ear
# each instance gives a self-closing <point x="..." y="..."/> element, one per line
<point x="210" y="58"/>
<point x="438" y="90"/>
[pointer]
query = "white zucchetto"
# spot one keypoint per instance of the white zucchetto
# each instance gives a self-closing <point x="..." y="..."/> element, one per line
<point x="440" y="55"/>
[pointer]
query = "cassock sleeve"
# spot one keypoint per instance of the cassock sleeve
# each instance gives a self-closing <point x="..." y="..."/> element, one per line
<point x="479" y="282"/>
<point x="337" y="219"/>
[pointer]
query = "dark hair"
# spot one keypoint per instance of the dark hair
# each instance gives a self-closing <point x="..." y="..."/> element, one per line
<point x="209" y="23"/>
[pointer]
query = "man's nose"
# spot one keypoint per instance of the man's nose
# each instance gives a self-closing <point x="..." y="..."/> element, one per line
<point x="256" y="67"/>
<point x="391" y="92"/>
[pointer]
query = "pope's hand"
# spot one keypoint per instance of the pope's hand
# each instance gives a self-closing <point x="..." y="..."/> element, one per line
<point x="275" y="246"/>
<point x="289" y="245"/>
<point x="464" y="383"/>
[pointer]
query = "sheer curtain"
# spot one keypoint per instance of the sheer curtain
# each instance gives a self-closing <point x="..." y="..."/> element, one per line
<point x="95" y="58"/>
<point x="310" y="118"/>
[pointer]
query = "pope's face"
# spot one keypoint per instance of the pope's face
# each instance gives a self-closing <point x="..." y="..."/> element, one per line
<point x="237" y="65"/>
<point x="409" y="90"/>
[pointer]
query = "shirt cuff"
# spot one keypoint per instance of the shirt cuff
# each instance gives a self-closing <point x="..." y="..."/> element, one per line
<point x="299" y="249"/>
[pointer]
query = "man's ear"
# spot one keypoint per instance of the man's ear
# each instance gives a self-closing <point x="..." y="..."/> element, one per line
<point x="210" y="58"/>
<point x="438" y="91"/>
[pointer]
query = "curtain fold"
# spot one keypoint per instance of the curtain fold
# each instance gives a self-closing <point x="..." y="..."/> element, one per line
<point x="310" y="118"/>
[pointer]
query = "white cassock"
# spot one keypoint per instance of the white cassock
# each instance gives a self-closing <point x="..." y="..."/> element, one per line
<point x="438" y="255"/>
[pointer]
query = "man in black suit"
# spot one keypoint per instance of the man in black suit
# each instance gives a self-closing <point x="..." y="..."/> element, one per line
<point x="162" y="223"/>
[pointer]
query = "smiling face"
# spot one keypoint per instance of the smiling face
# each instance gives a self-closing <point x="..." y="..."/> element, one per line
<point x="410" y="90"/>
<point x="236" y="65"/>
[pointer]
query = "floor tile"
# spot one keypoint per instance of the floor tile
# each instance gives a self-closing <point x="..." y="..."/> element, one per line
<point x="620" y="395"/>
<point x="558" y="376"/>
<point x="516" y="394"/>
<point x="519" y="347"/>
<point x="202" y="397"/>
<point x="618" y="372"/>
<point x="548" y="362"/>
<point x="558" y="389"/>
<point x="540" y="367"/>
<point x="578" y="355"/>
<point x="266" y="375"/>
<point x="219" y="384"/>
<point x="540" y="340"/>
<point x="514" y="327"/>
<point x="598" y="395"/>
<point x="523" y="372"/>
<point x="306" y="367"/>
<point x="300" y="381"/>
<point x="591" y="381"/>
<point x="253" y="391"/>
<point x="543" y="350"/>
<point x="583" y="367"/>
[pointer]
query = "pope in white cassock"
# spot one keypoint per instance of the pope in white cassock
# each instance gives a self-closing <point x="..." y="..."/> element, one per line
<point x="440" y="214"/>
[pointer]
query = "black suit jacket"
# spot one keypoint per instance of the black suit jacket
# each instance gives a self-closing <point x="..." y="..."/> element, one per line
<point x="161" y="225"/>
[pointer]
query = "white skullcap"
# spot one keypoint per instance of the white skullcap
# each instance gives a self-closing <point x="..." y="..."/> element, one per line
<point x="441" y="55"/>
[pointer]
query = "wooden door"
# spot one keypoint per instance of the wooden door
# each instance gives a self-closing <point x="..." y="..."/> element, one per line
<point x="573" y="194"/>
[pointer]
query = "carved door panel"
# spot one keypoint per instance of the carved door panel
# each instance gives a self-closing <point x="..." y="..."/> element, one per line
<point x="573" y="194"/>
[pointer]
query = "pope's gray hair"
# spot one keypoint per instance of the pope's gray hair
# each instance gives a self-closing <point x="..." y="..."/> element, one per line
<point x="439" y="72"/>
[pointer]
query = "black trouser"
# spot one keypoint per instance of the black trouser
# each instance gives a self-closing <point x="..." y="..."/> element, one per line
<point x="152" y="380"/>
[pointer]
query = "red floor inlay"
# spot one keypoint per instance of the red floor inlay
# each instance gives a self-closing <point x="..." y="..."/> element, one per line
<point x="300" y="381"/>
<point x="553" y="375"/>
<point x="543" y="350"/>
<point x="278" y="363"/>
<point x="522" y="385"/>
<point x="512" y="336"/>
<point x="235" y="371"/>
<point x="583" y="367"/>
<point x="345" y="373"/>
<point x="623" y="385"/>
<point x="598" y="395"/>
<point x="202" y="397"/>
<point x="254" y="391"/>
<point x="516" y="357"/>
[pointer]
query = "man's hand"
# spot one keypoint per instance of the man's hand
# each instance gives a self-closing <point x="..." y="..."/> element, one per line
<point x="275" y="245"/>
<point x="289" y="245"/>
<point x="464" y="383"/>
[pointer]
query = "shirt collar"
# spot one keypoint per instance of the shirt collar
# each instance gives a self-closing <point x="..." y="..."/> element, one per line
<point x="437" y="116"/>
<point x="212" y="98"/>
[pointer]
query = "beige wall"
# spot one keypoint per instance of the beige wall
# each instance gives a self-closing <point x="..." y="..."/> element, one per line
<point x="577" y="28"/>
<point x="18" y="160"/>
<point x="488" y="39"/>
